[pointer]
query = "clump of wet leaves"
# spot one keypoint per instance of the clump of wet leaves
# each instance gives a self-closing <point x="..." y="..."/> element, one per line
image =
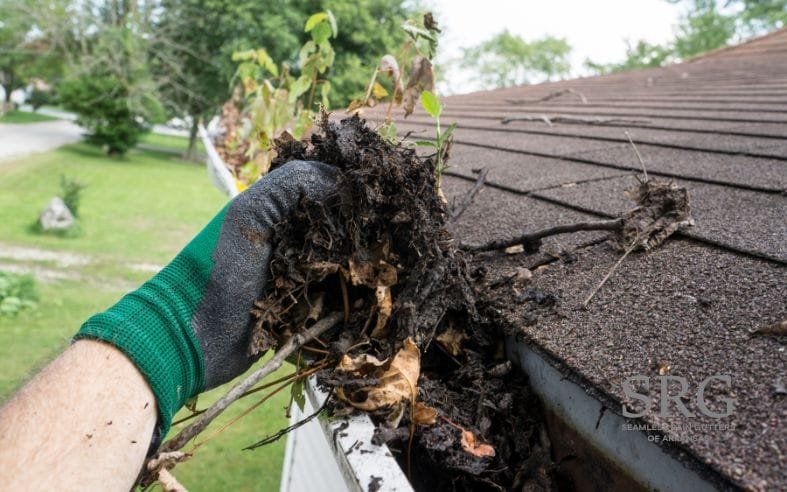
<point x="413" y="352"/>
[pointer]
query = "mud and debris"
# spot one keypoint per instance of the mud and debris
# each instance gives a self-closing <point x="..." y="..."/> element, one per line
<point x="418" y="350"/>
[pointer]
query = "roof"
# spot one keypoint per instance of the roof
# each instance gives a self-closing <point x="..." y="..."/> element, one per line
<point x="716" y="124"/>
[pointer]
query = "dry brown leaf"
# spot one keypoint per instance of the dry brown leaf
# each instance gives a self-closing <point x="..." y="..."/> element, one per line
<point x="398" y="382"/>
<point x="421" y="78"/>
<point x="451" y="339"/>
<point x="424" y="415"/>
<point x="522" y="277"/>
<point x="321" y="268"/>
<point x="363" y="364"/>
<point x="389" y="66"/>
<point x="475" y="448"/>
<point x="355" y="106"/>
<point x="384" y="308"/>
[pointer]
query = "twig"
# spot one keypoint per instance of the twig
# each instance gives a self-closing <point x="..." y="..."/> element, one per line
<point x="533" y="239"/>
<point x="283" y="432"/>
<point x="642" y="163"/>
<point x="552" y="95"/>
<point x="549" y="120"/>
<point x="469" y="196"/>
<point x="609" y="274"/>
<point x="293" y="344"/>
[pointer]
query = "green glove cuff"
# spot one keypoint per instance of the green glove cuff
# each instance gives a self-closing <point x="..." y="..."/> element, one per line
<point x="152" y="325"/>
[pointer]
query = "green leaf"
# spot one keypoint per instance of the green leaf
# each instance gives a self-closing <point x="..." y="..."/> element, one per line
<point x="431" y="104"/>
<point x="243" y="55"/>
<point x="447" y="133"/>
<point x="298" y="87"/>
<point x="425" y="143"/>
<point x="306" y="51"/>
<point x="297" y="394"/>
<point x="314" y="20"/>
<point x="324" y="90"/>
<point x="415" y="32"/>
<point x="388" y="132"/>
<point x="332" y="21"/>
<point x="264" y="59"/>
<point x="321" y="32"/>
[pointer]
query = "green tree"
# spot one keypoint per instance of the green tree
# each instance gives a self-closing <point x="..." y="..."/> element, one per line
<point x="702" y="29"/>
<point x="641" y="55"/>
<point x="24" y="53"/>
<point x="112" y="91"/>
<point x="760" y="16"/>
<point x="506" y="60"/>
<point x="705" y="26"/>
<point x="193" y="42"/>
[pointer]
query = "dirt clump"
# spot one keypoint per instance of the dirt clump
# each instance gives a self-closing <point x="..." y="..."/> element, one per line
<point x="416" y="350"/>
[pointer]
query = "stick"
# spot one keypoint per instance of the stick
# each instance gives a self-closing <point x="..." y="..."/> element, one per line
<point x="533" y="238"/>
<point x="469" y="196"/>
<point x="571" y="119"/>
<point x="553" y="95"/>
<point x="295" y="342"/>
<point x="609" y="274"/>
<point x="641" y="162"/>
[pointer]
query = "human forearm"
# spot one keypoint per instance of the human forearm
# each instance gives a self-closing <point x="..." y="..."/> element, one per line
<point x="84" y="423"/>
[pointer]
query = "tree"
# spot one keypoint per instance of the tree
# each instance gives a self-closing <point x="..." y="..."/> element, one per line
<point x="641" y="55"/>
<point x="193" y="42"/>
<point x="111" y="90"/>
<point x="702" y="29"/>
<point x="705" y="26"/>
<point x="506" y="60"/>
<point x="23" y="53"/>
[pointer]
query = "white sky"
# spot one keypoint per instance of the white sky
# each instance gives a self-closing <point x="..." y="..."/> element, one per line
<point x="595" y="29"/>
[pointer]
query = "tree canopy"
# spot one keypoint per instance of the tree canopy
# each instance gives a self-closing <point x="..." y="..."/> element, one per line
<point x="704" y="26"/>
<point x="506" y="60"/>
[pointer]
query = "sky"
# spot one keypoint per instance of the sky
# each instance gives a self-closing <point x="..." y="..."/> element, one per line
<point x="595" y="29"/>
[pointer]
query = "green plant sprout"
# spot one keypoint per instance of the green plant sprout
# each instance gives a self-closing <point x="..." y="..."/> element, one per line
<point x="276" y="102"/>
<point x="442" y="141"/>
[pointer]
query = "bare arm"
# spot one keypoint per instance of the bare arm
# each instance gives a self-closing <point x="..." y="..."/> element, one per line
<point x="84" y="423"/>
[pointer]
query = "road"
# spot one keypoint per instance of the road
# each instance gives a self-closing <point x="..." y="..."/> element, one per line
<point x="28" y="138"/>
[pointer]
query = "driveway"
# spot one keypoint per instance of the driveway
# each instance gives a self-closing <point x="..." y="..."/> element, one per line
<point x="28" y="138"/>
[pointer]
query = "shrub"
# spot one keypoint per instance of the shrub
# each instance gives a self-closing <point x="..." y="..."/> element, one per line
<point x="102" y="106"/>
<point x="17" y="292"/>
<point x="39" y="98"/>
<point x="70" y="191"/>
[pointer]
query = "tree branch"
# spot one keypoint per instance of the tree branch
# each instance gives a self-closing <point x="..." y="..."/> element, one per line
<point x="532" y="240"/>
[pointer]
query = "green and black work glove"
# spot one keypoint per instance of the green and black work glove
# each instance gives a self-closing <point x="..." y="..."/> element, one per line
<point x="187" y="329"/>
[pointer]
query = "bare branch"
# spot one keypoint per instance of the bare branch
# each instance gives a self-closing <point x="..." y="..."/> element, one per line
<point x="532" y="240"/>
<point x="468" y="198"/>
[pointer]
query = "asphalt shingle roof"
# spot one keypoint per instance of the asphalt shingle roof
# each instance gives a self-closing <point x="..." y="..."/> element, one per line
<point x="716" y="124"/>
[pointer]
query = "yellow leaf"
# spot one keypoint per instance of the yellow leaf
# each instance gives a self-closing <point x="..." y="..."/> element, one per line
<point x="379" y="91"/>
<point x="451" y="340"/>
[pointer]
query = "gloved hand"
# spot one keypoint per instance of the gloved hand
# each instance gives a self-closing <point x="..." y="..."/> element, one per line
<point x="187" y="329"/>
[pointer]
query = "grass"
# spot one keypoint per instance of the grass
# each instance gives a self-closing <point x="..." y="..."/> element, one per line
<point x="140" y="208"/>
<point x="169" y="142"/>
<point x="143" y="208"/>
<point x="17" y="116"/>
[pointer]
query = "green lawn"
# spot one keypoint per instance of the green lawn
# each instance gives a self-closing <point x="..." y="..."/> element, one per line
<point x="139" y="209"/>
<point x="16" y="116"/>
<point x="169" y="142"/>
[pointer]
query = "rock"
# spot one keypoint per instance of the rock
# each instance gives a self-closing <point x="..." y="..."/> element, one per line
<point x="56" y="216"/>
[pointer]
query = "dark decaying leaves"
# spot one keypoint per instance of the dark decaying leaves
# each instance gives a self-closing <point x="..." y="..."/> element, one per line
<point x="662" y="209"/>
<point x="415" y="351"/>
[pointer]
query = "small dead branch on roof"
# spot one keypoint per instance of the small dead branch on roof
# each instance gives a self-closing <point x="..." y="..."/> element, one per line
<point x="778" y="329"/>
<point x="531" y="241"/>
<point x="573" y="120"/>
<point x="551" y="95"/>
<point x="663" y="209"/>
<point x="460" y="207"/>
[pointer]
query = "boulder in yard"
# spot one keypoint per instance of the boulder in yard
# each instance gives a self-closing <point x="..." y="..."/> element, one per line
<point x="56" y="216"/>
